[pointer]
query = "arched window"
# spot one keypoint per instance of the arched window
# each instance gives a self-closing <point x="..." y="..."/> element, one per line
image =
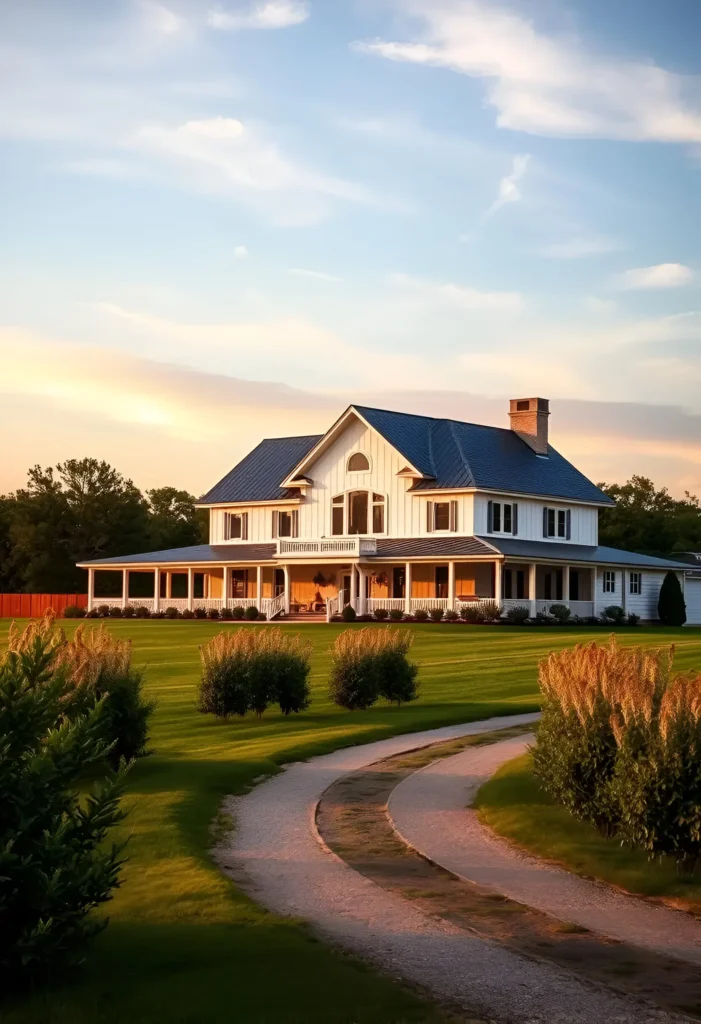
<point x="358" y="463"/>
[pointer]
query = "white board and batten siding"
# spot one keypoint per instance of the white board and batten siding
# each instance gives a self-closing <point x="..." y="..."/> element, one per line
<point x="692" y="596"/>
<point x="643" y="604"/>
<point x="584" y="521"/>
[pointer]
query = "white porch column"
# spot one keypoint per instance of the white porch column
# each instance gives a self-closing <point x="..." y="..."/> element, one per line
<point x="531" y="587"/>
<point x="624" y="589"/>
<point x="259" y="587"/>
<point x="91" y="589"/>
<point x="354" y="587"/>
<point x="190" y="587"/>
<point x="125" y="587"/>
<point x="451" y="584"/>
<point x="407" y="588"/>
<point x="157" y="589"/>
<point x="169" y="585"/>
<point x="225" y="587"/>
<point x="594" y="583"/>
<point x="286" y="571"/>
<point x="362" y="591"/>
<point x="497" y="582"/>
<point x="566" y="584"/>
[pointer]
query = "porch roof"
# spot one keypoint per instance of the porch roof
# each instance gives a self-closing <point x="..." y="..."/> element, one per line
<point x="538" y="550"/>
<point x="440" y="547"/>
<point x="205" y="553"/>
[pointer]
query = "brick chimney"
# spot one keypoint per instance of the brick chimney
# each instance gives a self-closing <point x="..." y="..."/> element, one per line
<point x="529" y="419"/>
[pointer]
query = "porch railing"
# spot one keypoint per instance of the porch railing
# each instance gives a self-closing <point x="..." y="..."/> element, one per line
<point x="273" y="606"/>
<point x="388" y="603"/>
<point x="342" y="546"/>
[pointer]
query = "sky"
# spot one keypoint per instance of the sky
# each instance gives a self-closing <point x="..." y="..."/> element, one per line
<point x="224" y="221"/>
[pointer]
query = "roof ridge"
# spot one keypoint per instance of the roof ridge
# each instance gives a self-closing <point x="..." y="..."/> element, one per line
<point x="459" y="447"/>
<point x="290" y="437"/>
<point x="434" y="419"/>
<point x="430" y="448"/>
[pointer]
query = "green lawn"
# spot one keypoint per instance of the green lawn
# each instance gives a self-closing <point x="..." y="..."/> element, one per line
<point x="183" y="945"/>
<point x="513" y="804"/>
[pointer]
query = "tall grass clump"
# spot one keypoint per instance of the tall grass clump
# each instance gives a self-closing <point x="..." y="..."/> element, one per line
<point x="248" y="669"/>
<point x="54" y="864"/>
<point x="370" y="663"/>
<point x="98" y="667"/>
<point x="619" y="745"/>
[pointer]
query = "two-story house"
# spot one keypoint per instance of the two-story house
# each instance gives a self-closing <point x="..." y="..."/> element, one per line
<point x="398" y="511"/>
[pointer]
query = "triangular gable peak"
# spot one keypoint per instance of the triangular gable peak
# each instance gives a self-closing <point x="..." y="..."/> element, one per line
<point x="331" y="436"/>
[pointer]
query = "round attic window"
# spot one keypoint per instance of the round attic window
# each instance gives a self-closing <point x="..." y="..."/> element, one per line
<point x="358" y="463"/>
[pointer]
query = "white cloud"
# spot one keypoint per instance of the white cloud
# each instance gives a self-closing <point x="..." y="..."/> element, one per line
<point x="314" y="275"/>
<point x="663" y="275"/>
<point x="240" y="252"/>
<point x="509" y="192"/>
<point x="548" y="84"/>
<point x="579" y="247"/>
<point x="263" y="15"/>
<point x="160" y="18"/>
<point x="459" y="295"/>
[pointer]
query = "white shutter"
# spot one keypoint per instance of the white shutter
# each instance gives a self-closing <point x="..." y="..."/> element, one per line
<point x="429" y="517"/>
<point x="295" y="522"/>
<point x="244" y="526"/>
<point x="276" y="520"/>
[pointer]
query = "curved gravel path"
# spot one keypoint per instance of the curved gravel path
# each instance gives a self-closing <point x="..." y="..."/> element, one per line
<point x="430" y="811"/>
<point x="277" y="856"/>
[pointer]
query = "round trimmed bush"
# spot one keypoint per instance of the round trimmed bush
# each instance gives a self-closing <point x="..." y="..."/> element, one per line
<point x="200" y="613"/>
<point x="251" y="613"/>
<point x="518" y="614"/>
<point x="128" y="612"/>
<point x="237" y="612"/>
<point x="421" y="615"/>
<point x="436" y="614"/>
<point x="349" y="614"/>
<point x="226" y="614"/>
<point x="188" y="613"/>
<point x="115" y="612"/>
<point x="381" y="614"/>
<point x="141" y="612"/>
<point x="73" y="611"/>
<point x="451" y="615"/>
<point x="172" y="613"/>
<point x="396" y="614"/>
<point x="213" y="613"/>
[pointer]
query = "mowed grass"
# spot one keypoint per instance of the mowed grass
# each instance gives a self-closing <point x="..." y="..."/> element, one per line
<point x="513" y="804"/>
<point x="183" y="944"/>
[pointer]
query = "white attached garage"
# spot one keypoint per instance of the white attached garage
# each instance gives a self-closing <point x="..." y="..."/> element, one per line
<point x="692" y="596"/>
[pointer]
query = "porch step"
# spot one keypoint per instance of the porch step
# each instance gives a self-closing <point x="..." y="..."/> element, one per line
<point x="309" y="617"/>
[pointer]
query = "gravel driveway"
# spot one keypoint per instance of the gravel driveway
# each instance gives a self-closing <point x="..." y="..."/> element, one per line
<point x="276" y="855"/>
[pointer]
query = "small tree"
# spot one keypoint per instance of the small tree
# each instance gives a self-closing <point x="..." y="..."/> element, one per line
<point x="396" y="673"/>
<point x="54" y="868"/>
<point x="671" y="607"/>
<point x="369" y="663"/>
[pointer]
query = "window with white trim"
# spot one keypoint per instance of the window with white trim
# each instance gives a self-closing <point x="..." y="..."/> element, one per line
<point x="557" y="523"/>
<point x="236" y="526"/>
<point x="441" y="515"/>
<point x="378" y="513"/>
<point x="635" y="583"/>
<point x="502" y="517"/>
<point x="609" y="582"/>
<point x="358" y="512"/>
<point x="285" y="522"/>
<point x="337" y="507"/>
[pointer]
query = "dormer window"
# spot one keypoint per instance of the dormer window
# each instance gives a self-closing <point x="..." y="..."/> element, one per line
<point x="358" y="463"/>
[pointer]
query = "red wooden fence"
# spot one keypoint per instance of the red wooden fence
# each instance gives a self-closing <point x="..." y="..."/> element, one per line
<point x="32" y="606"/>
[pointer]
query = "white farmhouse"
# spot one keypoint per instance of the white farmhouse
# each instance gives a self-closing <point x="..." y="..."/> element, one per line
<point x="397" y="511"/>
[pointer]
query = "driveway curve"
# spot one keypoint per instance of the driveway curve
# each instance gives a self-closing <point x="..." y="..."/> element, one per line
<point x="430" y="811"/>
<point x="276" y="855"/>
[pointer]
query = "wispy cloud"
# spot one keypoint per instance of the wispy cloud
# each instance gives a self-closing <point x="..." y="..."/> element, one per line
<point x="509" y="191"/>
<point x="314" y="275"/>
<point x="459" y="295"/>
<point x="662" y="275"/>
<point x="160" y="18"/>
<point x="240" y="252"/>
<point x="580" y="247"/>
<point x="263" y="15"/>
<point x="544" y="83"/>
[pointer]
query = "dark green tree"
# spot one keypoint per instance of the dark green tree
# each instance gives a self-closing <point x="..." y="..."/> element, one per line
<point x="10" y="577"/>
<point x="671" y="606"/>
<point x="175" y="522"/>
<point x="649" y="520"/>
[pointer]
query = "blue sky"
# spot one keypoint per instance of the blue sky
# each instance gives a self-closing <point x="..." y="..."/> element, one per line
<point x="224" y="221"/>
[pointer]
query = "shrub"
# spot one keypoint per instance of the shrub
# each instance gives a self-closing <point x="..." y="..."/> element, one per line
<point x="115" y="612"/>
<point x="543" y="619"/>
<point x="54" y="864"/>
<point x="491" y="611"/>
<point x="247" y="669"/>
<point x="396" y="615"/>
<point x="160" y="615"/>
<point x="92" y="614"/>
<point x="365" y="617"/>
<point x="591" y="620"/>
<point x="381" y="614"/>
<point x="251" y="613"/>
<point x="614" y="614"/>
<point x="213" y="613"/>
<point x="189" y="614"/>
<point x="518" y="614"/>
<point x="128" y="612"/>
<point x="632" y="619"/>
<point x="420" y="615"/>
<point x="201" y="613"/>
<point x="348" y="614"/>
<point x="141" y="612"/>
<point x="262" y="617"/>
<point x="73" y="611"/>
<point x="227" y="614"/>
<point x="436" y="614"/>
<point x="671" y="606"/>
<point x="397" y="675"/>
<point x="171" y="613"/>
<point x="103" y="610"/>
<point x="237" y="612"/>
<point x="561" y="613"/>
<point x="472" y="613"/>
<point x="354" y="681"/>
<point x="451" y="615"/>
<point x="337" y="618"/>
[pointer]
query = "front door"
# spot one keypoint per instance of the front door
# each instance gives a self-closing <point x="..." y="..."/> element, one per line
<point x="346" y="588"/>
<point x="398" y="581"/>
<point x="239" y="580"/>
<point x="279" y="582"/>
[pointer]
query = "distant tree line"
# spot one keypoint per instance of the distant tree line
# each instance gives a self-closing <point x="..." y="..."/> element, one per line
<point x="650" y="521"/>
<point x="84" y="509"/>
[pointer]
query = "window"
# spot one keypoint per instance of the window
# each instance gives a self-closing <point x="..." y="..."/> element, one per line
<point x="441" y="515"/>
<point x="285" y="524"/>
<point x="502" y="517"/>
<point x="441" y="581"/>
<point x="378" y="513"/>
<point x="236" y="526"/>
<point x="337" y="515"/>
<point x="358" y="512"/>
<point x="514" y="584"/>
<point x="636" y="583"/>
<point x="609" y="582"/>
<point x="279" y="582"/>
<point x="398" y="582"/>
<point x="358" y="463"/>
<point x="557" y="522"/>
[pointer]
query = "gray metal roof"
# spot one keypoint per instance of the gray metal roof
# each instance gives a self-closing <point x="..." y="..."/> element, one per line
<point x="456" y="454"/>
<point x="193" y="555"/>
<point x="535" y="549"/>
<point x="440" y="547"/>
<point x="259" y="475"/>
